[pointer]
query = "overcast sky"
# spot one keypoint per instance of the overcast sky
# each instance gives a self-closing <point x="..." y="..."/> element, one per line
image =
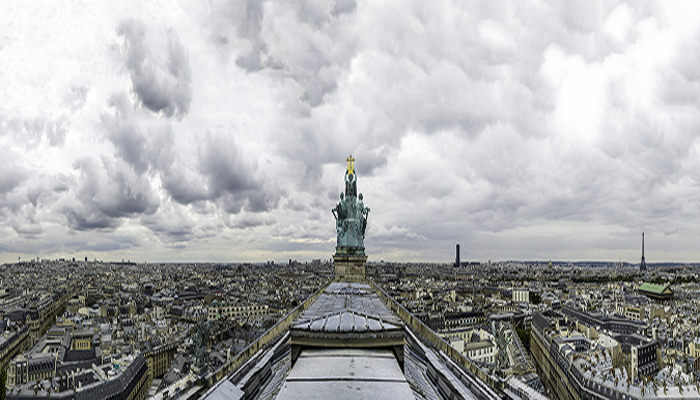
<point x="218" y="131"/>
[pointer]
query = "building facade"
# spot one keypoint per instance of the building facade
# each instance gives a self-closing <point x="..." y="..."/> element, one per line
<point x="218" y="310"/>
<point x="521" y="295"/>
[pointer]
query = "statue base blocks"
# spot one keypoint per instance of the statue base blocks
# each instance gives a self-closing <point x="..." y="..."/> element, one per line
<point x="349" y="268"/>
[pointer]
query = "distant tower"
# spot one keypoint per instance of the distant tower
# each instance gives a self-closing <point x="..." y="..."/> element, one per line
<point x="643" y="264"/>
<point x="457" y="262"/>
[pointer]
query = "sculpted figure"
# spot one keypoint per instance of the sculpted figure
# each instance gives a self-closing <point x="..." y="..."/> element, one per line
<point x="362" y="214"/>
<point x="350" y="185"/>
<point x="338" y="211"/>
<point x="360" y="208"/>
<point x="350" y="215"/>
<point x="340" y="215"/>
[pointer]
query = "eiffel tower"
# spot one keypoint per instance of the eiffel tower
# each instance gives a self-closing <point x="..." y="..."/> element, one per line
<point x="643" y="264"/>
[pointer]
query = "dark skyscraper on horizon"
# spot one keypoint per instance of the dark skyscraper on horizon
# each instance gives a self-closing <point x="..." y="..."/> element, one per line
<point x="457" y="261"/>
<point x="643" y="264"/>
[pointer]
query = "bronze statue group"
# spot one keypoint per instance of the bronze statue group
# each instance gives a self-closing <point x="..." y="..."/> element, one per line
<point x="350" y="214"/>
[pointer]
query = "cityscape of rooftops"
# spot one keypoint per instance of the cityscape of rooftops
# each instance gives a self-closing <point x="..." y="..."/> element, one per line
<point x="350" y="199"/>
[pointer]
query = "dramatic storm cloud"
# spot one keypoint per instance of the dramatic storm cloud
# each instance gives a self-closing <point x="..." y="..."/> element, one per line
<point x="217" y="131"/>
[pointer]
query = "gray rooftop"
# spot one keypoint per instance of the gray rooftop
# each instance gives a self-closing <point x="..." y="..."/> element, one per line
<point x="345" y="321"/>
<point x="226" y="391"/>
<point x="346" y="374"/>
<point x="347" y="307"/>
<point x="347" y="344"/>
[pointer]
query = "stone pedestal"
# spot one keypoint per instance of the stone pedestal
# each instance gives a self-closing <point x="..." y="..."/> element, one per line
<point x="349" y="268"/>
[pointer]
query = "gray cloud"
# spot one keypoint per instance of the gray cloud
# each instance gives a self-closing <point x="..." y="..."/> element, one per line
<point x="76" y="97"/>
<point x="172" y="224"/>
<point x="184" y="186"/>
<point x="29" y="132"/>
<point x="13" y="181"/>
<point x="510" y="126"/>
<point x="105" y="244"/>
<point x="249" y="28"/>
<point x="10" y="178"/>
<point x="228" y="173"/>
<point x="312" y="65"/>
<point x="25" y="222"/>
<point x="222" y="162"/>
<point x="343" y="7"/>
<point x="108" y="191"/>
<point x="27" y="230"/>
<point x="223" y="175"/>
<point x="165" y="86"/>
<point x="295" y="205"/>
<point x="246" y="221"/>
<point x="139" y="147"/>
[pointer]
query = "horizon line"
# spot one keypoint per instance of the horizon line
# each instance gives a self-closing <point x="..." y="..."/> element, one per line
<point x="466" y="262"/>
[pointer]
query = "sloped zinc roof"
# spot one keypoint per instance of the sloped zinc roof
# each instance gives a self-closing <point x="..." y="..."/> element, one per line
<point x="345" y="321"/>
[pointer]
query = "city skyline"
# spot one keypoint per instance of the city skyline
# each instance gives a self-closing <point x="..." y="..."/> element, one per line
<point x="216" y="132"/>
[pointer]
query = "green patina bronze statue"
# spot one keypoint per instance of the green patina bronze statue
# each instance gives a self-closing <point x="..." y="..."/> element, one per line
<point x="350" y="216"/>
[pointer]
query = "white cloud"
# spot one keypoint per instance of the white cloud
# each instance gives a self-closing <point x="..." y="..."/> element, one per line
<point x="218" y="130"/>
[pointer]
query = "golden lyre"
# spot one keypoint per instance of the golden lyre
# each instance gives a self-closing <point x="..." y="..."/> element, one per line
<point x="351" y="164"/>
